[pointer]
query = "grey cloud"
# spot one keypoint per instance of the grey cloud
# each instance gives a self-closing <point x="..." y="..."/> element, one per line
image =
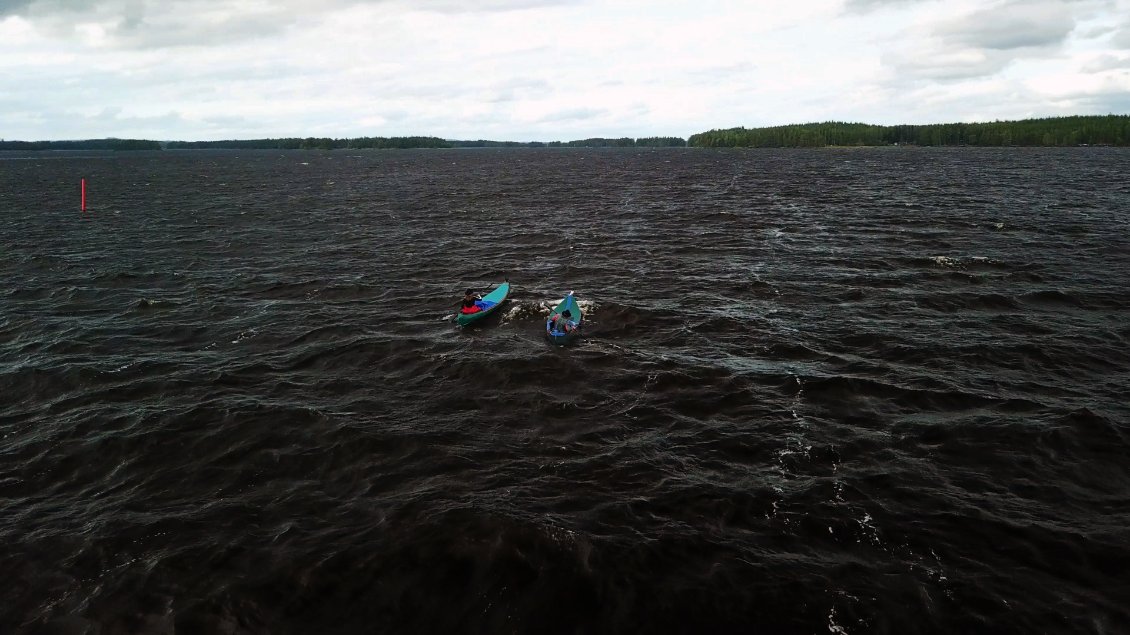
<point x="1096" y="32"/>
<point x="430" y="92"/>
<point x="1122" y="38"/>
<point x="229" y="121"/>
<point x="109" y="122"/>
<point x="573" y="114"/>
<point x="51" y="8"/>
<point x="48" y="9"/>
<point x="150" y="24"/>
<point x="1010" y="27"/>
<point x="725" y="71"/>
<point x="168" y="23"/>
<point x="639" y="109"/>
<point x="516" y="88"/>
<point x="137" y="34"/>
<point x="982" y="43"/>
<point x="947" y="67"/>
<point x="13" y="7"/>
<point x="865" y="6"/>
<point x="1103" y="103"/>
<point x="114" y="119"/>
<point x="396" y="115"/>
<point x="488" y="6"/>
<point x="1107" y="63"/>
<point x="523" y="83"/>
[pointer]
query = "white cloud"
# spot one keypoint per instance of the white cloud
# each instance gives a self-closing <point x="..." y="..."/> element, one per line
<point x="541" y="69"/>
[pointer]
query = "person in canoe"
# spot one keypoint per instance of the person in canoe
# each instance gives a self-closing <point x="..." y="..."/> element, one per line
<point x="471" y="303"/>
<point x="563" y="322"/>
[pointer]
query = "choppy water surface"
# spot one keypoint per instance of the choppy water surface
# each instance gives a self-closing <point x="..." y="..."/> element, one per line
<point x="835" y="391"/>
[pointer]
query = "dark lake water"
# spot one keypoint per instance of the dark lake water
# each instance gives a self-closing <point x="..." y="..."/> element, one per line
<point x="828" y="391"/>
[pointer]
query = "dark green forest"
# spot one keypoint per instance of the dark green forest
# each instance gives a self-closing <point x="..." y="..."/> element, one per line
<point x="325" y="143"/>
<point x="1111" y="130"/>
<point x="624" y="142"/>
<point x="418" y="142"/>
<point x="87" y="144"/>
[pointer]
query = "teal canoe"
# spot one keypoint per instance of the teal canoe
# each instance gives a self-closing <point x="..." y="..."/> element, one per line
<point x="488" y="304"/>
<point x="562" y="332"/>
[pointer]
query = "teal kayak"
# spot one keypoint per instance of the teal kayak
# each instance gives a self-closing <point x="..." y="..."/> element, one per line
<point x="487" y="305"/>
<point x="564" y="330"/>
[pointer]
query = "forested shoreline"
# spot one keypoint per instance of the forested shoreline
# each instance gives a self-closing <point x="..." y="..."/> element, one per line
<point x="1111" y="130"/>
<point x="84" y="144"/>
<point x="1106" y="130"/>
<point x="326" y="143"/>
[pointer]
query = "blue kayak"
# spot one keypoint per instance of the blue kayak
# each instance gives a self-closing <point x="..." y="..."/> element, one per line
<point x="562" y="330"/>
<point x="487" y="305"/>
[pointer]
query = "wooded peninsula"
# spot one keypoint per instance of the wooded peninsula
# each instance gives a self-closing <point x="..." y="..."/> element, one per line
<point x="1106" y="130"/>
<point x="1109" y="130"/>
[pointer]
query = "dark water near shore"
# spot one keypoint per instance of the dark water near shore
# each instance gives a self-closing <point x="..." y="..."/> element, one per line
<point x="836" y="391"/>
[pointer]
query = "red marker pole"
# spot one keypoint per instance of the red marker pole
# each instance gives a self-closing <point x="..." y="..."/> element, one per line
<point x="84" y="195"/>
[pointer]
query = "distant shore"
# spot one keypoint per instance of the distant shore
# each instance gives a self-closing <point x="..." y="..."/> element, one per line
<point x="1109" y="130"/>
<point x="1105" y="130"/>
<point x="325" y="143"/>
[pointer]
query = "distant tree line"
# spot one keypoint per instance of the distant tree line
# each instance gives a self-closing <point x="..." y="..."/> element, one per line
<point x="661" y="142"/>
<point x="623" y="142"/>
<point x="310" y="143"/>
<point x="325" y="143"/>
<point x="483" y="143"/>
<point x="1111" y="130"/>
<point x="87" y="144"/>
<point x="596" y="142"/>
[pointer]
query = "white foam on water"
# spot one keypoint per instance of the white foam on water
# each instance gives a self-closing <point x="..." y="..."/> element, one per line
<point x="521" y="310"/>
<point x="540" y="308"/>
<point x="586" y="305"/>
<point x="245" y="335"/>
<point x="869" y="530"/>
<point x="955" y="262"/>
<point x="833" y="627"/>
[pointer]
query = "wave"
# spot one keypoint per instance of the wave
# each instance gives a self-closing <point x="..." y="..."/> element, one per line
<point x="802" y="404"/>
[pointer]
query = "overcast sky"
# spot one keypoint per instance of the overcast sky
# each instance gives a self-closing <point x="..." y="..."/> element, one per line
<point x="545" y="69"/>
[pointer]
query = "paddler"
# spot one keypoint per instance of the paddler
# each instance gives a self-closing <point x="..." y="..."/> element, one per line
<point x="563" y="322"/>
<point x="470" y="304"/>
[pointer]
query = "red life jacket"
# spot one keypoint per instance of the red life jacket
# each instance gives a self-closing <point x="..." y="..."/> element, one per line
<point x="470" y="309"/>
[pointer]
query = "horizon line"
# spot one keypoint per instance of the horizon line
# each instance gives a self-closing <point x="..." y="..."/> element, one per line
<point x="633" y="137"/>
